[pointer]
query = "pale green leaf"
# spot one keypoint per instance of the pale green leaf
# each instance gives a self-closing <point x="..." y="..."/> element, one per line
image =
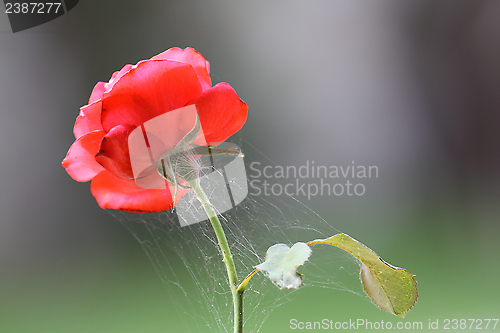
<point x="391" y="288"/>
<point x="281" y="264"/>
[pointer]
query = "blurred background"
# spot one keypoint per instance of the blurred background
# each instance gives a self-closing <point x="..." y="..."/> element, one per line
<point x="411" y="87"/>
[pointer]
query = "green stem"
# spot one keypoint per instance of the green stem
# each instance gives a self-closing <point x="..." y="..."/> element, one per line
<point x="226" y="254"/>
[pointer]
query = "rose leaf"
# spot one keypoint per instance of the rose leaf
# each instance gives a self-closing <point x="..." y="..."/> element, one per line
<point x="391" y="288"/>
<point x="281" y="264"/>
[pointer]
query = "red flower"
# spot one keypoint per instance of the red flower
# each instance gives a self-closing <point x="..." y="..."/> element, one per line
<point x="134" y="95"/>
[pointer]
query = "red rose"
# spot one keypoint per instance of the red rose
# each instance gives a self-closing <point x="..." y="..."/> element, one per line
<point x="134" y="95"/>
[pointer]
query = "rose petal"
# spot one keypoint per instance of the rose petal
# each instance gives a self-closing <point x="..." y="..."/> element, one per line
<point x="97" y="92"/>
<point x="88" y="120"/>
<point x="222" y="113"/>
<point x="112" y="192"/>
<point x="102" y="87"/>
<point x="80" y="161"/>
<point x="192" y="57"/>
<point x="117" y="75"/>
<point x="148" y="90"/>
<point x="114" y="155"/>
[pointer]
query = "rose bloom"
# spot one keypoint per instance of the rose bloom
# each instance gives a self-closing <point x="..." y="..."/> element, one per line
<point x="134" y="95"/>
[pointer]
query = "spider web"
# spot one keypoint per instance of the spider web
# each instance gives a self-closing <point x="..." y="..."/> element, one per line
<point x="204" y="300"/>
